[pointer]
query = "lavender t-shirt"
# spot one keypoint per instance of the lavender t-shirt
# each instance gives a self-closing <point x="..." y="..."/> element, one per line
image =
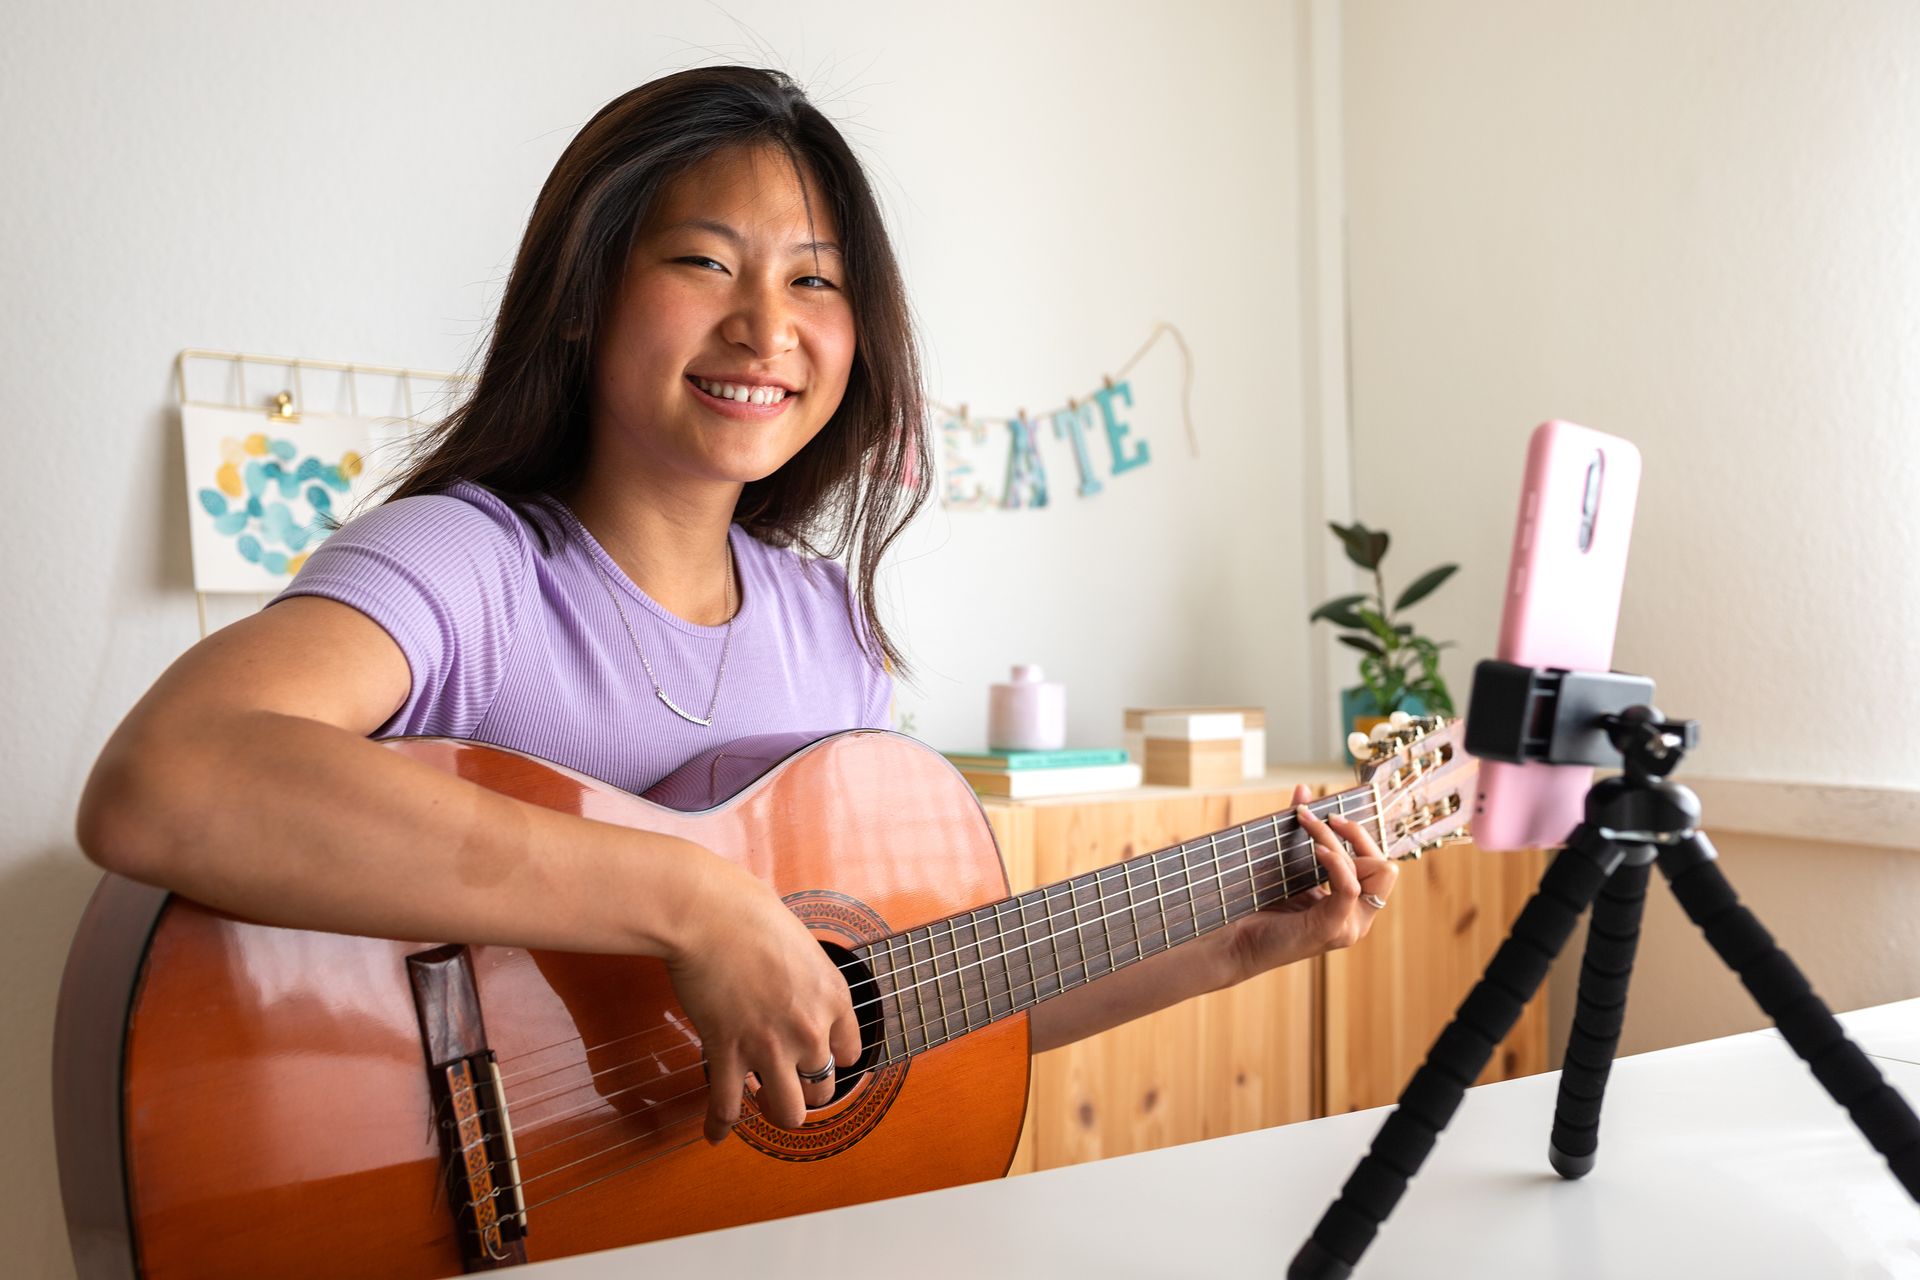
<point x="520" y="648"/>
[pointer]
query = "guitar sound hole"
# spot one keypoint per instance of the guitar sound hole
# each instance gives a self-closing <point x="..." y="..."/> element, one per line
<point x="866" y="1008"/>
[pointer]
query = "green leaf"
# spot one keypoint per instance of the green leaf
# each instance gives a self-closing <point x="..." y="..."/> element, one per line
<point x="1380" y="627"/>
<point x="1376" y="548"/>
<point x="1354" y="539"/>
<point x="1423" y="586"/>
<point x="1363" y="644"/>
<point x="1364" y="546"/>
<point x="1338" y="610"/>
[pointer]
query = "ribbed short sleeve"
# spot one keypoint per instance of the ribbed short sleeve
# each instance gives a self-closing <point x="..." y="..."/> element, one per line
<point x="447" y="577"/>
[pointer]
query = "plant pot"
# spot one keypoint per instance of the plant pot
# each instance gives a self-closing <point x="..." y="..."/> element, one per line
<point x="1361" y="712"/>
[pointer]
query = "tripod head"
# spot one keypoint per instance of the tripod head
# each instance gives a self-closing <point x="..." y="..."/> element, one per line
<point x="1649" y="747"/>
<point x="1537" y="717"/>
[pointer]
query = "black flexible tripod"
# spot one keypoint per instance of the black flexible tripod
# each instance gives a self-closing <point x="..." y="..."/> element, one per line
<point x="1632" y="822"/>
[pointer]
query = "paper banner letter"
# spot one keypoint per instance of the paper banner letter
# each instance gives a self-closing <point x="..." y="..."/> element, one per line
<point x="1073" y="422"/>
<point x="961" y="491"/>
<point x="1026" y="477"/>
<point x="1117" y="430"/>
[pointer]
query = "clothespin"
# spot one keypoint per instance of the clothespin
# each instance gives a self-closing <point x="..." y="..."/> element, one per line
<point x="283" y="410"/>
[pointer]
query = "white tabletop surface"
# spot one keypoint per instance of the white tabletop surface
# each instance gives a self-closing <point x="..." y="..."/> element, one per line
<point x="1717" y="1159"/>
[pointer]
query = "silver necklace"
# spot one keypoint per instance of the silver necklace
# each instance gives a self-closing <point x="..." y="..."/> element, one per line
<point x="726" y="644"/>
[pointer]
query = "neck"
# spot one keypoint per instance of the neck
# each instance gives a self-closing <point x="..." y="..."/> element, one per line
<point x="964" y="972"/>
<point x="673" y="547"/>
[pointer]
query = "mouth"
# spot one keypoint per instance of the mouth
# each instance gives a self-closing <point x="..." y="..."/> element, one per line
<point x="741" y="393"/>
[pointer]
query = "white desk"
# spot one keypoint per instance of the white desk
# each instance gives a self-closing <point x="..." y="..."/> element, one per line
<point x="1722" y="1159"/>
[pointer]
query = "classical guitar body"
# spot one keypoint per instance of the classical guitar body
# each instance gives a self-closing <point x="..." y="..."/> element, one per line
<point x="235" y="1099"/>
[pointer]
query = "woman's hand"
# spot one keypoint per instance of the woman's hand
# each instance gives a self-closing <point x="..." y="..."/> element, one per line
<point x="1324" y="918"/>
<point x="765" y="999"/>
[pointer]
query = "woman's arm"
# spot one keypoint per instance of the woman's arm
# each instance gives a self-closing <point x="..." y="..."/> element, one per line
<point x="244" y="780"/>
<point x="1299" y="929"/>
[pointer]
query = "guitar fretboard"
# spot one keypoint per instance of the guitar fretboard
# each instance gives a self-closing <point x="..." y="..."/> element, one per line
<point x="970" y="970"/>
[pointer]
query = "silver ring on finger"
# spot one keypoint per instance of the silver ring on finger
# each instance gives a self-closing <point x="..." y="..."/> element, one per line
<point x="821" y="1076"/>
<point x="1374" y="900"/>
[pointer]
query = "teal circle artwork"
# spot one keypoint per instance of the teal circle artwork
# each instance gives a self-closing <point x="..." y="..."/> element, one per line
<point x="274" y="504"/>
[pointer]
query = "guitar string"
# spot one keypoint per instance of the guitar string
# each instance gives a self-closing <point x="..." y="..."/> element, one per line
<point x="1164" y="936"/>
<point x="667" y="1034"/>
<point x="1255" y="854"/>
<point x="748" y="1103"/>
<point x="1253" y="850"/>
<point x="1364" y="809"/>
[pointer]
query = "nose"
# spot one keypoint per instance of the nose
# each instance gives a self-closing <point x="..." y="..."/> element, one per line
<point x="763" y="320"/>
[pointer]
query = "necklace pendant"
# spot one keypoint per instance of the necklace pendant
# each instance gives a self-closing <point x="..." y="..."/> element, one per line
<point x="684" y="715"/>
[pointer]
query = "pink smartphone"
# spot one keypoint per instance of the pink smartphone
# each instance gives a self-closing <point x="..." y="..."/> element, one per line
<point x="1562" y="604"/>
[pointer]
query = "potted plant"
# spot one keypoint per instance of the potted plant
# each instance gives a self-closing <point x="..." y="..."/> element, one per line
<point x="1399" y="667"/>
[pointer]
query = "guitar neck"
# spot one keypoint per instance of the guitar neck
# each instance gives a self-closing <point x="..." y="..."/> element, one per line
<point x="970" y="970"/>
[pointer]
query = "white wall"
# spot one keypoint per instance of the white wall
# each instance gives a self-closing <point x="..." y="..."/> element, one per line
<point x="350" y="181"/>
<point x="1697" y="226"/>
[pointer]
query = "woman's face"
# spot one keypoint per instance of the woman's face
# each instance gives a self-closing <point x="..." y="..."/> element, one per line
<point x="731" y="339"/>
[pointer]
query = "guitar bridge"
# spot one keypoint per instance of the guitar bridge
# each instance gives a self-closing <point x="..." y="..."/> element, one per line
<point x="470" y="1107"/>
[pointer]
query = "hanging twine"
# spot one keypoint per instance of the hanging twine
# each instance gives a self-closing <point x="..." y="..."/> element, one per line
<point x="1073" y="402"/>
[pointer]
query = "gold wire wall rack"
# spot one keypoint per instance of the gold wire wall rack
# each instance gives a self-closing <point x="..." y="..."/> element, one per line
<point x="284" y="398"/>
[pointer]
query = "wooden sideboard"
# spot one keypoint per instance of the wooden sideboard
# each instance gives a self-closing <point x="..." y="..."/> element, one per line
<point x="1338" y="1033"/>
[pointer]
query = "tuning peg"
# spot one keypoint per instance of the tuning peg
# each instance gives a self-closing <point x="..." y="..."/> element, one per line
<point x="1359" y="745"/>
<point x="1399" y="719"/>
<point x="1381" y="730"/>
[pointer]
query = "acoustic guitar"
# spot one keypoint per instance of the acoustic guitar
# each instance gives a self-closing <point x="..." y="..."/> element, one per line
<point x="234" y="1099"/>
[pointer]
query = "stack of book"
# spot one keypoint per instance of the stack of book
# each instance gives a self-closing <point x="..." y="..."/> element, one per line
<point x="1020" y="775"/>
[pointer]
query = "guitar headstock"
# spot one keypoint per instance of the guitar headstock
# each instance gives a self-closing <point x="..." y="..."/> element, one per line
<point x="1422" y="779"/>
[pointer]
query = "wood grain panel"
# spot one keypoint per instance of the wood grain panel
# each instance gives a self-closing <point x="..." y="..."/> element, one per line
<point x="1223" y="1063"/>
<point x="1388" y="998"/>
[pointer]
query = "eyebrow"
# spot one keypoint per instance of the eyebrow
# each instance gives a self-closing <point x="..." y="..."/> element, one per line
<point x="726" y="232"/>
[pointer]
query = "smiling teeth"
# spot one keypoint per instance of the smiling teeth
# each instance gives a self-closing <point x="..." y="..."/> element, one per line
<point x="746" y="395"/>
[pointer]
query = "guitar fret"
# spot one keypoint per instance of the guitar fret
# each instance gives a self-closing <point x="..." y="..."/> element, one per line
<point x="909" y="1019"/>
<point x="1053" y="942"/>
<point x="1280" y="856"/>
<point x="1160" y="900"/>
<point x="1193" y="903"/>
<point x="1077" y="973"/>
<point x="927" y="1036"/>
<point x="962" y="969"/>
<point x="1006" y="966"/>
<point x="1253" y="883"/>
<point x="1132" y="915"/>
<point x="1024" y="948"/>
<point x="1105" y="919"/>
<point x="1217" y="882"/>
<point x="991" y="1007"/>
<point x="939" y="988"/>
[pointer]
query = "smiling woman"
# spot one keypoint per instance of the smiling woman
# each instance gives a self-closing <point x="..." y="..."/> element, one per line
<point x="616" y="556"/>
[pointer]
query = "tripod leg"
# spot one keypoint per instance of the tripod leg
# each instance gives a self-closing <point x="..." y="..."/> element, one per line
<point x="1457" y="1058"/>
<point x="1605" y="971"/>
<point x="1783" y="993"/>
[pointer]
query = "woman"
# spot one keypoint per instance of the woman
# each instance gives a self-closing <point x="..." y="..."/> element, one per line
<point x="702" y="367"/>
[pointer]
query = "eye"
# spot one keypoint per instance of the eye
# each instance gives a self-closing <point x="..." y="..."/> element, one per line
<point x="821" y="282"/>
<point x="700" y="259"/>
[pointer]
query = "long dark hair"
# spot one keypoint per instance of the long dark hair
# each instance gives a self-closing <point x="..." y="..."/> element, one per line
<point x="523" y="431"/>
